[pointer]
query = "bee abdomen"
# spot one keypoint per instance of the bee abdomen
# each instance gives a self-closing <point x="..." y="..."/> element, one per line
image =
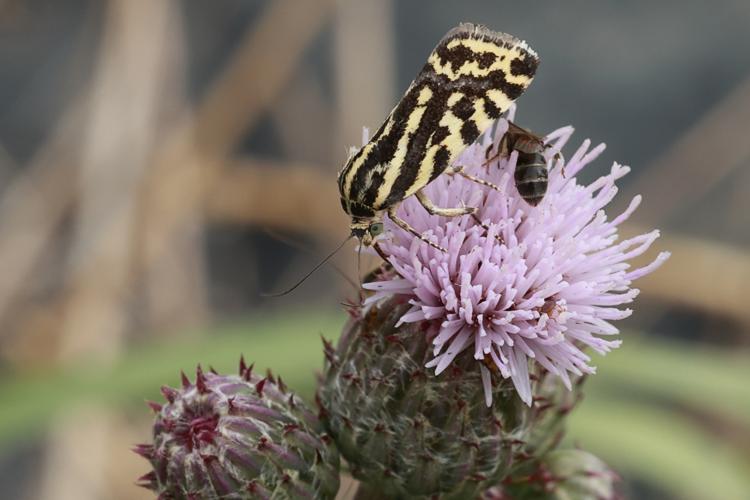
<point x="531" y="177"/>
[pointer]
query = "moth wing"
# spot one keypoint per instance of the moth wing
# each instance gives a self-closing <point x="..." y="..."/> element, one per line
<point x="480" y="73"/>
<point x="471" y="77"/>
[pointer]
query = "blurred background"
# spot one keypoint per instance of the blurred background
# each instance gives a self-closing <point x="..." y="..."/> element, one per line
<point x="164" y="162"/>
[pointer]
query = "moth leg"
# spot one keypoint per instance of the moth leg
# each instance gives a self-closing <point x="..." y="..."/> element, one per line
<point x="447" y="212"/>
<point x="486" y="228"/>
<point x="406" y="227"/>
<point x="458" y="170"/>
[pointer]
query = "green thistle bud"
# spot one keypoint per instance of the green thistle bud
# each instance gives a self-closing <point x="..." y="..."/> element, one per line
<point x="238" y="436"/>
<point x="560" y="475"/>
<point x="408" y="433"/>
<point x="580" y="475"/>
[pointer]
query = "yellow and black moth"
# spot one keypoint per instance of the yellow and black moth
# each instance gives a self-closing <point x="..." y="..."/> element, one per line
<point x="471" y="78"/>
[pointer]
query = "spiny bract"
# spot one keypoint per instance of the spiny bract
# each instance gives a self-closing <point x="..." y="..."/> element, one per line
<point x="560" y="475"/>
<point x="407" y="433"/>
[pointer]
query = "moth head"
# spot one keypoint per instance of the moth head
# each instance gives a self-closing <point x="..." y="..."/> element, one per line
<point x="366" y="230"/>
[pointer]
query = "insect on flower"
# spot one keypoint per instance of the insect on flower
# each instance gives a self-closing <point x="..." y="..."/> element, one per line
<point x="551" y="288"/>
<point x="531" y="174"/>
<point x="471" y="78"/>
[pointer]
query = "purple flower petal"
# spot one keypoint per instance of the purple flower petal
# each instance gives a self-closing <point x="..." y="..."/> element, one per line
<point x="528" y="284"/>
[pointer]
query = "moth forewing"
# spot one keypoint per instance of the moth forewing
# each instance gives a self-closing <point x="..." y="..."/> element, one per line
<point x="471" y="77"/>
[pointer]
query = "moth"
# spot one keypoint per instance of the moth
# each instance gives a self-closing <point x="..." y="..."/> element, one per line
<point x="471" y="77"/>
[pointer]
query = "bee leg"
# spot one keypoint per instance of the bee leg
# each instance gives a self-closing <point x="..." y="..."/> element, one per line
<point x="502" y="150"/>
<point x="406" y="227"/>
<point x="492" y="158"/>
<point x="447" y="212"/>
<point x="460" y="171"/>
<point x="558" y="158"/>
<point x="488" y="151"/>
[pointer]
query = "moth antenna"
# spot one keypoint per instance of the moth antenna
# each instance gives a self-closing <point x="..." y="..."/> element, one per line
<point x="297" y="245"/>
<point x="359" y="272"/>
<point x="318" y="266"/>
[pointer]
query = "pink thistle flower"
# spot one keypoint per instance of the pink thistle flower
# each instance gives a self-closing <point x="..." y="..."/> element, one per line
<point x="528" y="283"/>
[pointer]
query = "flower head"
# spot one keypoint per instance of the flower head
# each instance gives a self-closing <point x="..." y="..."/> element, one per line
<point x="408" y="434"/>
<point x="517" y="282"/>
<point x="238" y="436"/>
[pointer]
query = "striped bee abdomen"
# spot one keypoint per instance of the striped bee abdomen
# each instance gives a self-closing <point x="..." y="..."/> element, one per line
<point x="531" y="177"/>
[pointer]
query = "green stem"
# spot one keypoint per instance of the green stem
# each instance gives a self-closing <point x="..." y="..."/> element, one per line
<point x="367" y="492"/>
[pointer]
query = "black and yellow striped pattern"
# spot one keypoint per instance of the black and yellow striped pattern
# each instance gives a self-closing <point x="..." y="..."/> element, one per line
<point x="470" y="79"/>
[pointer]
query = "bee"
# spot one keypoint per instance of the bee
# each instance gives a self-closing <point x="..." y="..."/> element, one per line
<point x="470" y="79"/>
<point x="531" y="174"/>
